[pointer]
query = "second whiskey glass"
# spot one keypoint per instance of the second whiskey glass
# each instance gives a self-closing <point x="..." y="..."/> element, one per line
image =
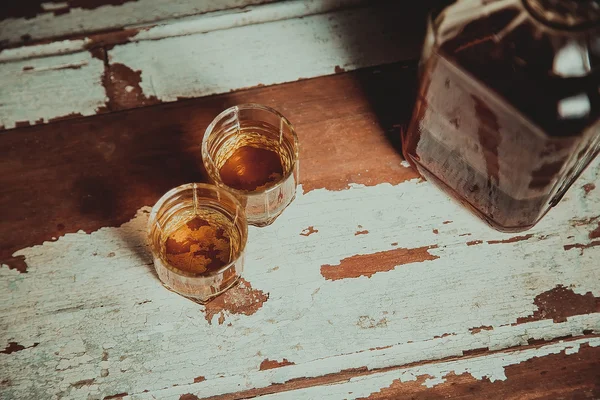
<point x="252" y="151"/>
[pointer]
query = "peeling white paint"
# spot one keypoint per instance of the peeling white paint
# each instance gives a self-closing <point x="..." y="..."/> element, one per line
<point x="202" y="23"/>
<point x="269" y="53"/>
<point x="50" y="6"/>
<point x="78" y="20"/>
<point x="205" y="64"/>
<point x="81" y="305"/>
<point x="490" y="366"/>
<point x="43" y="50"/>
<point x="39" y="90"/>
<point x="248" y="16"/>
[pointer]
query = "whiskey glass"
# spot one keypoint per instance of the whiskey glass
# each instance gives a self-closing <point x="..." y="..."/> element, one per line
<point x="197" y="235"/>
<point x="252" y="151"/>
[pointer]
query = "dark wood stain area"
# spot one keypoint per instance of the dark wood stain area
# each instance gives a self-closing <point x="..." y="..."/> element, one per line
<point x="593" y="224"/>
<point x="555" y="376"/>
<point x="480" y="328"/>
<point x="83" y="382"/>
<point x="308" y="231"/>
<point x="526" y="379"/>
<point x="13" y="347"/>
<point x="560" y="303"/>
<point x="370" y="264"/>
<point x="513" y="239"/>
<point x="270" y="364"/>
<point x="588" y="187"/>
<point x="241" y="299"/>
<point x="116" y="396"/>
<point x="188" y="396"/>
<point x="123" y="88"/>
<point x="95" y="172"/>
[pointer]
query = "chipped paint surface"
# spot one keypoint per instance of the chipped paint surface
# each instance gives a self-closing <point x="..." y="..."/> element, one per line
<point x="116" y="325"/>
<point x="270" y="364"/>
<point x="104" y="16"/>
<point x="247" y="16"/>
<point x="42" y="89"/>
<point x="180" y="26"/>
<point x="380" y="386"/>
<point x="560" y="303"/>
<point x="200" y="64"/>
<point x="122" y="87"/>
<point x="282" y="51"/>
<point x="308" y="231"/>
<point x="241" y="299"/>
<point x="43" y="50"/>
<point x="588" y="187"/>
<point x="370" y="264"/>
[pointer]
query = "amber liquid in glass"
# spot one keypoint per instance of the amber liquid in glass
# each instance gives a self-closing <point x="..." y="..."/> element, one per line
<point x="251" y="168"/>
<point x="198" y="246"/>
<point x="256" y="161"/>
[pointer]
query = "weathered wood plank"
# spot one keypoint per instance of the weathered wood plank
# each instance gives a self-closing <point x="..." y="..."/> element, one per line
<point x="199" y="64"/>
<point x="26" y="21"/>
<point x="154" y="339"/>
<point x="276" y="52"/>
<point x="40" y="90"/>
<point x="201" y="23"/>
<point x="55" y="48"/>
<point x="62" y="178"/>
<point x="558" y="371"/>
<point x="91" y="316"/>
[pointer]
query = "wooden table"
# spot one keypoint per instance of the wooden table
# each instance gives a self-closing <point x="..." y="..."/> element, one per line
<point x="372" y="284"/>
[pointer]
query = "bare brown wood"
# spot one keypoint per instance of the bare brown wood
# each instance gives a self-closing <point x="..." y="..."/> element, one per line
<point x="564" y="376"/>
<point x="556" y="376"/>
<point x="93" y="172"/>
<point x="368" y="264"/>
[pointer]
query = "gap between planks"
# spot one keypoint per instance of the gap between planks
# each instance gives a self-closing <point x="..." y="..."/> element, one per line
<point x="173" y="27"/>
<point x="323" y="41"/>
<point x="350" y="374"/>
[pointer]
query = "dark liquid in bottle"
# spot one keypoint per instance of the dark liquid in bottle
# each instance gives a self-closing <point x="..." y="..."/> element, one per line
<point x="488" y="126"/>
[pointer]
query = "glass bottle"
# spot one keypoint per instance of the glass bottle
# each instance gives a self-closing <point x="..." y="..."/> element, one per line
<point x="507" y="115"/>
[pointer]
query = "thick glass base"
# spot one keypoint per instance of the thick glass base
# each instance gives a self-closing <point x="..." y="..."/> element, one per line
<point x="500" y="223"/>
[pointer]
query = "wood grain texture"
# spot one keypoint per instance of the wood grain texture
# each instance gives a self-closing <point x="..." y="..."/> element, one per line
<point x="173" y="27"/>
<point x="89" y="173"/>
<point x="417" y="312"/>
<point x="219" y="61"/>
<point x="40" y="90"/>
<point x="91" y="316"/>
<point x="566" y="371"/>
<point x="202" y="57"/>
<point x="369" y="264"/>
<point x="566" y="375"/>
<point x="32" y="20"/>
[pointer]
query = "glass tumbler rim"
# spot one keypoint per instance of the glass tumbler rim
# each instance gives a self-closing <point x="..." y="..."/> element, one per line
<point x="206" y="157"/>
<point x="152" y="219"/>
